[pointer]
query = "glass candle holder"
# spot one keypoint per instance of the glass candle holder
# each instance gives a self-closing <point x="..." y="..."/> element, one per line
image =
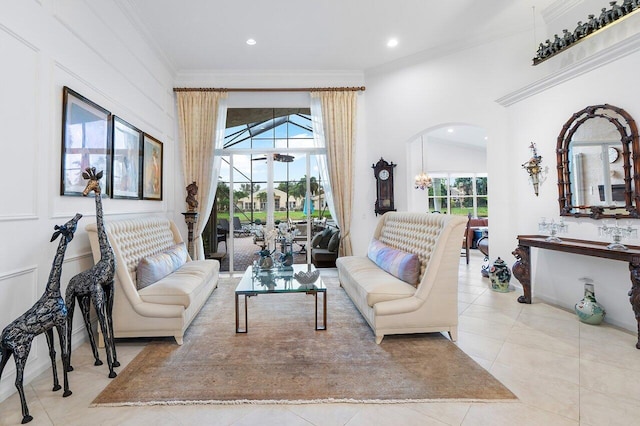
<point x="553" y="228"/>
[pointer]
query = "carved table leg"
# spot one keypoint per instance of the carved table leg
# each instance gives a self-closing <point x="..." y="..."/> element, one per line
<point x="634" y="293"/>
<point x="522" y="271"/>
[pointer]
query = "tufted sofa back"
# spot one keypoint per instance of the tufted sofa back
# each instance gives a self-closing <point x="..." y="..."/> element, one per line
<point x="429" y="235"/>
<point x="134" y="239"/>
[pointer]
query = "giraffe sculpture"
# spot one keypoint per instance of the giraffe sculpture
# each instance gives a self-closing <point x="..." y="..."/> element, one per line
<point x="95" y="285"/>
<point x="48" y="312"/>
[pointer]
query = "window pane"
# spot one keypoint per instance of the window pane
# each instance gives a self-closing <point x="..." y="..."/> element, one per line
<point x="439" y="204"/>
<point x="481" y="185"/>
<point x="259" y="168"/>
<point x="262" y="143"/>
<point x="483" y="207"/>
<point x="281" y="131"/>
<point x="264" y="129"/>
<point x="439" y="187"/>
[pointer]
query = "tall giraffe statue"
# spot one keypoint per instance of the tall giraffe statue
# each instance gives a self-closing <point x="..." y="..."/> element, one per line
<point x="95" y="285"/>
<point x="48" y="312"/>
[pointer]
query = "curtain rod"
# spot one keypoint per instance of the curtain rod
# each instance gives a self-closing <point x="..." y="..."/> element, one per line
<point x="294" y="89"/>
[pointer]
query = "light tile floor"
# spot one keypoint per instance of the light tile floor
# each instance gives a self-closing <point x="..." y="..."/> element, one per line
<point x="563" y="372"/>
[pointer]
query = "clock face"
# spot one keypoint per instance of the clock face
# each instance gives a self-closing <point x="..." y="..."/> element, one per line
<point x="613" y="154"/>
<point x="383" y="175"/>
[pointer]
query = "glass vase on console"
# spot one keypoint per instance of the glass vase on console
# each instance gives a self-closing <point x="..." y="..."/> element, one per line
<point x="553" y="228"/>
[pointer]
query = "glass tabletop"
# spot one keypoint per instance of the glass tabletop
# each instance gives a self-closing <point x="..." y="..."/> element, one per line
<point x="280" y="280"/>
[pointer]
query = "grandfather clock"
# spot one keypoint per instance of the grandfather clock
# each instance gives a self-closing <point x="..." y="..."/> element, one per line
<point x="383" y="173"/>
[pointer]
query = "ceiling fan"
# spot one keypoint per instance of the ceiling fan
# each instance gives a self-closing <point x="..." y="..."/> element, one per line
<point x="284" y="158"/>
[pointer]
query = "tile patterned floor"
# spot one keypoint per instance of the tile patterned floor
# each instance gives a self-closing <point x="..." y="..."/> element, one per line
<point x="563" y="372"/>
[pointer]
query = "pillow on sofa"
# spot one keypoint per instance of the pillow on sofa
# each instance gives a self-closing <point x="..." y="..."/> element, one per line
<point x="334" y="242"/>
<point x="315" y="242"/>
<point x="326" y="236"/>
<point x="154" y="268"/>
<point x="400" y="264"/>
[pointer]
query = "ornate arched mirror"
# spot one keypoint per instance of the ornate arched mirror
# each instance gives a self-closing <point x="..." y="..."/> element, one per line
<point x="599" y="164"/>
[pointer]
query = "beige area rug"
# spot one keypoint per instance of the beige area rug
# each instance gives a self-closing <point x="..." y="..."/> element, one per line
<point x="283" y="359"/>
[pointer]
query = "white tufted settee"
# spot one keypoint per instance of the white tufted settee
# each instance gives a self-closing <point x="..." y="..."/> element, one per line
<point x="392" y="306"/>
<point x="166" y="307"/>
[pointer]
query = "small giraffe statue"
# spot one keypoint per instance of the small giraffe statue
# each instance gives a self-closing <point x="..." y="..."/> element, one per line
<point x="48" y="312"/>
<point x="95" y="285"/>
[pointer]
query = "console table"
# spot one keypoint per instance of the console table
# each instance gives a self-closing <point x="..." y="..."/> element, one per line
<point x="522" y="267"/>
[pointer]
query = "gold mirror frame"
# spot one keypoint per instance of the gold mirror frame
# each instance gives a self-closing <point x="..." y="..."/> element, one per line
<point x="630" y="154"/>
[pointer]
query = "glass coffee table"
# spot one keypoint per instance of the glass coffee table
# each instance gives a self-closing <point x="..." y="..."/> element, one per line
<point x="279" y="281"/>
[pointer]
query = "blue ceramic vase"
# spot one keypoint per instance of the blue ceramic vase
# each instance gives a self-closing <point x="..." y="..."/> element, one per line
<point x="500" y="275"/>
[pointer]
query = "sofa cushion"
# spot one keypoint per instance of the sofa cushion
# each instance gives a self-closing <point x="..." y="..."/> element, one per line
<point x="326" y="236"/>
<point x="182" y="286"/>
<point x="315" y="242"/>
<point x="153" y="268"/>
<point x="334" y="242"/>
<point x="370" y="282"/>
<point x="398" y="263"/>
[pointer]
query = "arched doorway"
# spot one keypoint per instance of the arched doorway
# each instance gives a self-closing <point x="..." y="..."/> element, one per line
<point x="454" y="155"/>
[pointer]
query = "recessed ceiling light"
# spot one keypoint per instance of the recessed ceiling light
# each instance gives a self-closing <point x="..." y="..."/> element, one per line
<point x="251" y="42"/>
<point x="393" y="42"/>
<point x="450" y="130"/>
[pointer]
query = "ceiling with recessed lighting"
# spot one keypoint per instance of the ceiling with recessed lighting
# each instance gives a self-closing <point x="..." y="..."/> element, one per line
<point x="344" y="35"/>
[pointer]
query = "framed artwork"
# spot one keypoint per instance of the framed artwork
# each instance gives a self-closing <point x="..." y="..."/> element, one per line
<point x="152" y="169"/>
<point x="85" y="142"/>
<point x="126" y="176"/>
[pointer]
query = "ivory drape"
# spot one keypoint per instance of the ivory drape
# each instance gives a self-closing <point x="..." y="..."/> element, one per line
<point x="201" y="122"/>
<point x="337" y="124"/>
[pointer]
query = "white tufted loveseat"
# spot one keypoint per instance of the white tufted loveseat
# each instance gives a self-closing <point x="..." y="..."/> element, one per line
<point x="167" y="307"/>
<point x="392" y="306"/>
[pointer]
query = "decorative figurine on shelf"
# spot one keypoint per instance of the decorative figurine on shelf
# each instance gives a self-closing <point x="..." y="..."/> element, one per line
<point x="95" y="285"/>
<point x="588" y="309"/>
<point x="48" y="312"/>
<point x="500" y="275"/>
<point x="605" y="18"/>
<point x="192" y="202"/>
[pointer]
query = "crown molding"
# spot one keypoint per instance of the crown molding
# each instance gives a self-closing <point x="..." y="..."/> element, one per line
<point x="605" y="56"/>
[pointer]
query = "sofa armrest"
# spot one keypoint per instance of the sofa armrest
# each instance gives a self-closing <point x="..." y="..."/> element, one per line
<point x="398" y="306"/>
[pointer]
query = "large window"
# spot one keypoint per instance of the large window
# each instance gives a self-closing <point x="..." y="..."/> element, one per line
<point x="285" y="136"/>
<point x="268" y="174"/>
<point x="459" y="193"/>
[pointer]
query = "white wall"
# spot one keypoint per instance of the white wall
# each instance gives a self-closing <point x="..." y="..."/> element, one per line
<point x="556" y="275"/>
<point x="424" y="92"/>
<point x="92" y="47"/>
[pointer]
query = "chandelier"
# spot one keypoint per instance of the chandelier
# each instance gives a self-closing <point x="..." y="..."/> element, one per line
<point x="423" y="181"/>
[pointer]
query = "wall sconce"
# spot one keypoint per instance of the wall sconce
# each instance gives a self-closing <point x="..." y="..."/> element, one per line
<point x="423" y="181"/>
<point x="533" y="167"/>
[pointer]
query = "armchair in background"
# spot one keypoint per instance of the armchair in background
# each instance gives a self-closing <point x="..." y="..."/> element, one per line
<point x="324" y="247"/>
<point x="473" y="224"/>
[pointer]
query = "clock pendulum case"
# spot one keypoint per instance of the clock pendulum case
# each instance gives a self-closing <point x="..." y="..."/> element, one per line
<point x="383" y="173"/>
